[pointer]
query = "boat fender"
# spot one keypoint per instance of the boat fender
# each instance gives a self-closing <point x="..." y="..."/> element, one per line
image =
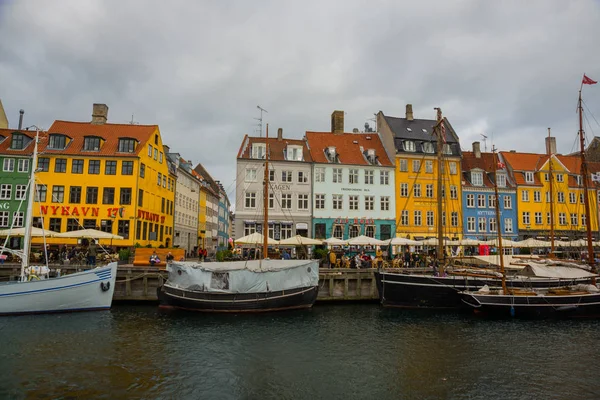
<point x="32" y="277"/>
<point x="104" y="286"/>
<point x="512" y="311"/>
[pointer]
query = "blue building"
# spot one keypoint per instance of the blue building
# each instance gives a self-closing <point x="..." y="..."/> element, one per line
<point x="478" y="198"/>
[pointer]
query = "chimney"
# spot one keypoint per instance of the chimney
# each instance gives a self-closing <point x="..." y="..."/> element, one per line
<point x="337" y="122"/>
<point x="99" y="114"/>
<point x="477" y="149"/>
<point x="550" y="144"/>
<point x="409" y="113"/>
<point x="280" y="134"/>
<point x="21" y="112"/>
<point x="166" y="148"/>
<point x="355" y="130"/>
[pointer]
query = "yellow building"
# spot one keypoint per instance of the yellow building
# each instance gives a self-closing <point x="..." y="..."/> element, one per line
<point x="413" y="145"/>
<point x="110" y="177"/>
<point x="533" y="174"/>
<point x="201" y="210"/>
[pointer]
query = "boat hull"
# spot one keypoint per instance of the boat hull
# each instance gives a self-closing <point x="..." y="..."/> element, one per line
<point x="82" y="291"/>
<point x="541" y="306"/>
<point x="171" y="297"/>
<point x="428" y="291"/>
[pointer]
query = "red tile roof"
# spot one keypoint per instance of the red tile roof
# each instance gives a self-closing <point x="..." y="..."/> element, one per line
<point x="347" y="147"/>
<point x="6" y="142"/>
<point x="276" y="147"/>
<point x="111" y="133"/>
<point x="485" y="163"/>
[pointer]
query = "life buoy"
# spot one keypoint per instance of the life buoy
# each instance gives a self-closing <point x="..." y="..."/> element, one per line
<point x="104" y="286"/>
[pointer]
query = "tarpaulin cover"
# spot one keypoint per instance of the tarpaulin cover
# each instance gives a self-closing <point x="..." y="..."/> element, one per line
<point x="554" y="271"/>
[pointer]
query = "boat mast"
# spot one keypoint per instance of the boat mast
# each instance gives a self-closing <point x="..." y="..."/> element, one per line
<point x="441" y="255"/>
<point x="586" y="200"/>
<point x="551" y="176"/>
<point x="498" y="225"/>
<point x="29" y="221"/>
<point x="266" y="198"/>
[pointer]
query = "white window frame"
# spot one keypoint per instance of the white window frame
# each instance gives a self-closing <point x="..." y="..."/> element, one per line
<point x="369" y="176"/>
<point x="319" y="174"/>
<point x="320" y="201"/>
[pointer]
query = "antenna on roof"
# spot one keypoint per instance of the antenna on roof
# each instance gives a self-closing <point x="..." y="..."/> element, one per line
<point x="132" y="122"/>
<point x="484" y="142"/>
<point x="261" y="118"/>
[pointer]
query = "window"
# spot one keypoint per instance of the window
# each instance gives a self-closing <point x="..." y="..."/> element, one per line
<point x="574" y="219"/>
<point x="384" y="177"/>
<point x="110" y="168"/>
<point x="57" y="142"/>
<point x="160" y="157"/>
<point x="369" y="174"/>
<point x="60" y="165"/>
<point x="20" y="192"/>
<point x="106" y="225"/>
<point x="43" y="164"/>
<point x="286" y="201"/>
<point x="581" y="199"/>
<point x="23" y="165"/>
<point x="5" y="192"/>
<point x="338" y="202"/>
<point x="142" y="170"/>
<point x="453" y="192"/>
<point x="8" y="165"/>
<point x="370" y="231"/>
<point x="271" y="175"/>
<point x="108" y="196"/>
<point x="258" y="150"/>
<point x="417" y="218"/>
<point x="429" y="166"/>
<point x="429" y="191"/>
<point x="404" y="218"/>
<point x="156" y="154"/>
<point x="353" y="176"/>
<point x="578" y="179"/>
<point x="303" y="202"/>
<point x="546" y="177"/>
<point x="501" y="179"/>
<point x="40" y="193"/>
<point x="481" y="224"/>
<point x="404" y="189"/>
<point x="149" y="152"/>
<point x="454" y="218"/>
<point x="293" y="153"/>
<point x="319" y="174"/>
<point x="492" y="201"/>
<point x="4" y="217"/>
<point x="548" y="218"/>
<point x="18" y="217"/>
<point x="561" y="197"/>
<point x="18" y="142"/>
<point x="251" y="175"/>
<point x="470" y="200"/>
<point x="525" y="195"/>
<point x="583" y="220"/>
<point x="547" y="197"/>
<point x="286" y="176"/>
<point x="302" y="177"/>
<point x="55" y="224"/>
<point x="72" y="224"/>
<point x="91" y="195"/>
<point x="562" y="218"/>
<point x="91" y="143"/>
<point x="337" y="175"/>
<point x="320" y="201"/>
<point x="75" y="194"/>
<point x="572" y="198"/>
<point x="537" y="196"/>
<point x="559" y="178"/>
<point x="250" y="200"/>
<point x="447" y="149"/>
<point x="338" y="232"/>
<point x="127" y="145"/>
<point x="538" y="218"/>
<point x="416" y="165"/>
<point x="369" y="203"/>
<point x="409" y="145"/>
<point x="525" y="218"/>
<point x="127" y="168"/>
<point x="94" y="167"/>
<point x="417" y="190"/>
<point x="508" y="225"/>
<point x="492" y="224"/>
<point x="481" y="201"/>
<point x="140" y="197"/>
<point x="123" y="229"/>
<point x="452" y="168"/>
<point x="58" y="194"/>
<point x="403" y="165"/>
<point x="477" y="178"/>
<point x="385" y="203"/>
<point x="353" y="202"/>
<point x="159" y="179"/>
<point x="429" y="218"/>
<point x="125" y="196"/>
<point x="507" y="202"/>
<point x="529" y="177"/>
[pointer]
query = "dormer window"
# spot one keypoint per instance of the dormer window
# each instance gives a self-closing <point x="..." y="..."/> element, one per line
<point x="500" y="179"/>
<point x="529" y="177"/>
<point x="57" y="142"/>
<point x="579" y="181"/>
<point x="127" y="145"/>
<point x="428" y="147"/>
<point x="477" y="178"/>
<point x="2" y="138"/>
<point x="91" y="143"/>
<point x="18" y="141"/>
<point x="447" y="149"/>
<point x="331" y="154"/>
<point x="409" y="145"/>
<point x="293" y="153"/>
<point x="371" y="158"/>
<point x="259" y="150"/>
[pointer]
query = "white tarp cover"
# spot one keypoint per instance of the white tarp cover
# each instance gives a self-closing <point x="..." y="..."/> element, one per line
<point x="253" y="276"/>
<point x="554" y="271"/>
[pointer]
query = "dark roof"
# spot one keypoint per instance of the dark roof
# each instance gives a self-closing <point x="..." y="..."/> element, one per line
<point x="212" y="185"/>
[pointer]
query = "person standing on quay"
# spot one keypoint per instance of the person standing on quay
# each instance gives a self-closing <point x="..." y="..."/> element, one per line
<point x="92" y="251"/>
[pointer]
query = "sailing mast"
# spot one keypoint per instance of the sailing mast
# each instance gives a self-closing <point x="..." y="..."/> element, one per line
<point x="29" y="221"/>
<point x="441" y="254"/>
<point x="266" y="198"/>
<point x="498" y="225"/>
<point x="551" y="200"/>
<point x="586" y="200"/>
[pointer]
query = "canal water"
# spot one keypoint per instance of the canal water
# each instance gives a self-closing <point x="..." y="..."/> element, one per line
<point x="344" y="351"/>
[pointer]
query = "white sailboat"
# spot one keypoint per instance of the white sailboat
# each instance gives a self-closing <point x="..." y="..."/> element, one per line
<point x="35" y="292"/>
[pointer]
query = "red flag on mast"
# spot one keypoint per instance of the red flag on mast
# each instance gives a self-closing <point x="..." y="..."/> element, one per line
<point x="587" y="81"/>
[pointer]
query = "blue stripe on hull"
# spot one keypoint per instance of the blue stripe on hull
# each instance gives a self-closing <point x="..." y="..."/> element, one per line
<point x="57" y="311"/>
<point x="51" y="289"/>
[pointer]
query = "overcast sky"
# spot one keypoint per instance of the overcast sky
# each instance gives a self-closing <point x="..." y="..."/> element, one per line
<point x="506" y="69"/>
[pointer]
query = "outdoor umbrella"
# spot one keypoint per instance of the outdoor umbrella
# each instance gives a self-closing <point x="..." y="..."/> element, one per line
<point x="299" y="241"/>
<point x="88" y="233"/>
<point x="38" y="232"/>
<point x="505" y="243"/>
<point x="470" y="242"/>
<point x="335" y="242"/>
<point x="255" y="238"/>
<point x="398" y="241"/>
<point x="531" y="242"/>
<point x="366" y="241"/>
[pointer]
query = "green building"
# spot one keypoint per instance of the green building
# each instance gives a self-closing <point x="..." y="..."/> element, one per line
<point x="16" y="151"/>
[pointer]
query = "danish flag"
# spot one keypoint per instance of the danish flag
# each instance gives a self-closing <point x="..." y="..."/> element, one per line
<point x="501" y="165"/>
<point x="588" y="81"/>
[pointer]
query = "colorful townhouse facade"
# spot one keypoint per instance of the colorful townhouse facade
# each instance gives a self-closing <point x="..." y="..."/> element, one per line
<point x="111" y="177"/>
<point x="290" y="187"/>
<point x="353" y="184"/>
<point x="223" y="218"/>
<point x="479" y="199"/>
<point x="413" y="146"/>
<point x="209" y="195"/>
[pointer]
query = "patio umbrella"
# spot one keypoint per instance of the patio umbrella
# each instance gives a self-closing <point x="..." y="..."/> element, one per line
<point x="335" y="242"/>
<point x="531" y="242"/>
<point x="88" y="233"/>
<point x="299" y="241"/>
<point x="398" y="241"/>
<point x="37" y="232"/>
<point x="470" y="242"/>
<point x="505" y="243"/>
<point x="363" y="240"/>
<point x="434" y="242"/>
<point x="255" y="238"/>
